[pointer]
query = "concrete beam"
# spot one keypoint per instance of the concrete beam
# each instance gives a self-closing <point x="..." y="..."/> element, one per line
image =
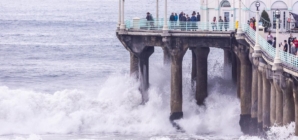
<point x="202" y="74"/>
<point x="193" y="69"/>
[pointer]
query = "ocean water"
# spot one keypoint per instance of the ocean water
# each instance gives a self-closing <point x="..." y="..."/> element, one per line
<point x="65" y="75"/>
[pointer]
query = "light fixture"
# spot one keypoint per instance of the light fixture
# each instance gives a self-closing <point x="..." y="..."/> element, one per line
<point x="257" y="5"/>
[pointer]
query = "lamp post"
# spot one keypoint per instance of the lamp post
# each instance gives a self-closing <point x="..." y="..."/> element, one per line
<point x="122" y="26"/>
<point x="277" y="55"/>
<point x="119" y="20"/>
<point x="257" y="46"/>
<point x="239" y="23"/>
<point x="165" y="24"/>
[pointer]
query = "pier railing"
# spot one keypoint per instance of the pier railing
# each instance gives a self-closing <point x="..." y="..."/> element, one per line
<point x="288" y="59"/>
<point x="157" y="24"/>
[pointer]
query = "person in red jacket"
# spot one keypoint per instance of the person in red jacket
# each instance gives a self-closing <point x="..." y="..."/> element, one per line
<point x="295" y="42"/>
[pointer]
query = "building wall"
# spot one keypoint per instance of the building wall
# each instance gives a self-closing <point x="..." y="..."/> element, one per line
<point x="214" y="9"/>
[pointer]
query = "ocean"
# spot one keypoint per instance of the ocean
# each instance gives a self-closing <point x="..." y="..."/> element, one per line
<point x="64" y="75"/>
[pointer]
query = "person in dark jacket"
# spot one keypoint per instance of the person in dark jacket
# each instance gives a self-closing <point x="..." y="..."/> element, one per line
<point x="180" y="16"/>
<point x="291" y="39"/>
<point x="183" y="22"/>
<point x="149" y="20"/>
<point x="285" y="46"/>
<point x="220" y="22"/>
<point x="274" y="42"/>
<point x="198" y="17"/>
<point x="172" y="20"/>
<point x="193" y="20"/>
<point x="226" y="24"/>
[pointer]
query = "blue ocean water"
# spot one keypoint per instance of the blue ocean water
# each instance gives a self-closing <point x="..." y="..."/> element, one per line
<point x="65" y="75"/>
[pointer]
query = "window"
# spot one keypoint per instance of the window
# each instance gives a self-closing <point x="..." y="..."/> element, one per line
<point x="225" y="3"/>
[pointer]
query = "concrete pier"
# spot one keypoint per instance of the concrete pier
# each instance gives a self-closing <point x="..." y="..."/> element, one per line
<point x="202" y="74"/>
<point x="260" y="97"/>
<point x="193" y="69"/>
<point x="288" y="108"/>
<point x="177" y="52"/>
<point x="266" y="100"/>
<point x="245" y="89"/>
<point x="295" y="90"/>
<point x="166" y="55"/>
<point x="254" y="97"/>
<point x="272" y="103"/>
<point x="144" y="71"/>
<point x="134" y="65"/>
<point x="279" y="101"/>
<point x="238" y="76"/>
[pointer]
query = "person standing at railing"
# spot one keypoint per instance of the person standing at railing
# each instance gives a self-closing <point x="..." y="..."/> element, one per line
<point x="254" y="23"/>
<point x="293" y="48"/>
<point x="274" y="42"/>
<point x="285" y="46"/>
<point x="270" y="38"/>
<point x="172" y="20"/>
<point x="188" y="23"/>
<point x="183" y="22"/>
<point x="220" y="22"/>
<point x="214" y="26"/>
<point x="295" y="42"/>
<point x="176" y="19"/>
<point x="290" y="39"/>
<point x="198" y="19"/>
<point x="193" y="21"/>
<point x="226" y="24"/>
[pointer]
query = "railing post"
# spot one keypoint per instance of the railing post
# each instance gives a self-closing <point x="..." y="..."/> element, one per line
<point x="157" y="9"/>
<point x="239" y="24"/>
<point x="277" y="60"/>
<point x="165" y="24"/>
<point x="122" y="26"/>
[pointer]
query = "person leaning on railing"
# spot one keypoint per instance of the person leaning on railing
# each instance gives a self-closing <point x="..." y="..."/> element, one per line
<point x="269" y="38"/>
<point x="193" y="21"/>
<point x="214" y="26"/>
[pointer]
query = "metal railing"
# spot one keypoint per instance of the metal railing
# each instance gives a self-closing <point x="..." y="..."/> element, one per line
<point x="157" y="24"/>
<point x="286" y="58"/>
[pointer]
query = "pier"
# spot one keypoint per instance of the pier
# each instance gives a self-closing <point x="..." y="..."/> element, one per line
<point x="266" y="77"/>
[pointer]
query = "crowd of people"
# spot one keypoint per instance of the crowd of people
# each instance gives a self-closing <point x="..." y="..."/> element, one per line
<point x="185" y="22"/>
<point x="290" y="45"/>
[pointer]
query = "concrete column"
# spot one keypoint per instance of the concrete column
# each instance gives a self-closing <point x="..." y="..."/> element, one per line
<point x="202" y="74"/>
<point x="266" y="101"/>
<point x="260" y="91"/>
<point x="122" y="26"/>
<point x="279" y="102"/>
<point x="288" y="108"/>
<point x="134" y="65"/>
<point x="295" y="90"/>
<point x="234" y="68"/>
<point x="165" y="24"/>
<point x="272" y="103"/>
<point x="144" y="71"/>
<point x="227" y="64"/>
<point x="177" y="54"/>
<point x="238" y="77"/>
<point x="194" y="68"/>
<point x="166" y="55"/>
<point x="245" y="91"/>
<point x="254" y="100"/>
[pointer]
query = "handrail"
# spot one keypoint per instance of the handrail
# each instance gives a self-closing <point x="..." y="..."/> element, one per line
<point x="157" y="24"/>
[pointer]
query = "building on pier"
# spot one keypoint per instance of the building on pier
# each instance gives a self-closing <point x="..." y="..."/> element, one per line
<point x="228" y="8"/>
